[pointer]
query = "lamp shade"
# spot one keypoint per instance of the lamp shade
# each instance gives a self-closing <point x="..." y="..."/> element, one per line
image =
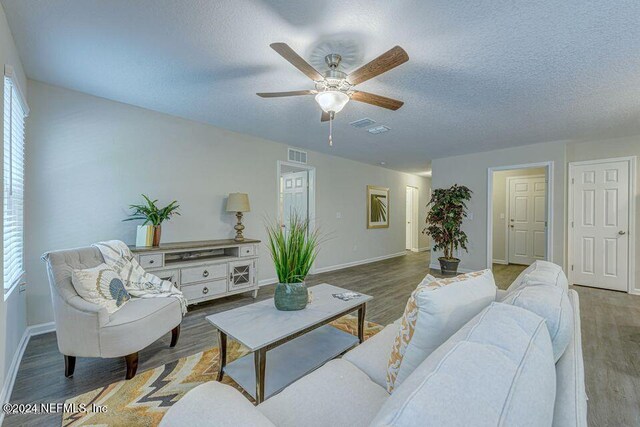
<point x="238" y="202"/>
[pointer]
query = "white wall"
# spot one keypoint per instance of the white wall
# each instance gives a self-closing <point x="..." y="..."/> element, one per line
<point x="89" y="158"/>
<point x="501" y="206"/>
<point x="621" y="147"/>
<point x="472" y="170"/>
<point x="13" y="309"/>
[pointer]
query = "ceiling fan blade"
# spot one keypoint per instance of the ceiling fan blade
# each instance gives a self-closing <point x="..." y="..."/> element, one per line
<point x="383" y="63"/>
<point x="296" y="60"/>
<point x="377" y="100"/>
<point x="324" y="117"/>
<point x="281" y="94"/>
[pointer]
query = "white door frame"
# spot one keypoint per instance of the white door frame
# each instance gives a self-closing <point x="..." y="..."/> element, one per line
<point x="312" y="194"/>
<point x="549" y="167"/>
<point x="506" y="223"/>
<point x="631" y="261"/>
<point x="415" y="215"/>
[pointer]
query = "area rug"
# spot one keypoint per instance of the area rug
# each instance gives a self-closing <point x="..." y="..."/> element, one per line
<point x="143" y="400"/>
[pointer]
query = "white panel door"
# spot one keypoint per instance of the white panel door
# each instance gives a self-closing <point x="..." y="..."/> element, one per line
<point x="527" y="219"/>
<point x="600" y="245"/>
<point x="295" y="196"/>
<point x="409" y="218"/>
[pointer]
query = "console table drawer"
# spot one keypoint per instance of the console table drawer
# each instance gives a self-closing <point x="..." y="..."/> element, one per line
<point x="247" y="251"/>
<point x="206" y="272"/>
<point x="204" y="290"/>
<point x="150" y="260"/>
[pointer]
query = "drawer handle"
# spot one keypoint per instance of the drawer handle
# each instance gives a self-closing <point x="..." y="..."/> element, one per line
<point x="205" y="290"/>
<point x="205" y="273"/>
<point x="150" y="261"/>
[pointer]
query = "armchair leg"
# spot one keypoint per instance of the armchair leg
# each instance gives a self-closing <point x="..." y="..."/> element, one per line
<point x="175" y="334"/>
<point x="69" y="365"/>
<point x="132" y="365"/>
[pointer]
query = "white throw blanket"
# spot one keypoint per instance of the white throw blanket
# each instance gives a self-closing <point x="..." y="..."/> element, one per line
<point x="137" y="282"/>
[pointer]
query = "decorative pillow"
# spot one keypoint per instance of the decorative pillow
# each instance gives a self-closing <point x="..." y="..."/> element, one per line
<point x="435" y="310"/>
<point x="552" y="304"/>
<point x="101" y="285"/>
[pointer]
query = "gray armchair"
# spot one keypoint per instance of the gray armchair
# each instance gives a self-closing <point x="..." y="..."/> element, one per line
<point x="85" y="329"/>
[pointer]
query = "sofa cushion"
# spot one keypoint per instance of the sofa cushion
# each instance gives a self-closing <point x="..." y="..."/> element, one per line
<point x="496" y="370"/>
<point x="552" y="304"/>
<point x="372" y="356"/>
<point x="100" y="285"/>
<point x="337" y="394"/>
<point x="139" y="323"/>
<point x="571" y="400"/>
<point x="540" y="272"/>
<point x="214" y="404"/>
<point x="435" y="311"/>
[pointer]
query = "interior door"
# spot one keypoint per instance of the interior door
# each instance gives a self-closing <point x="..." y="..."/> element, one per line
<point x="600" y="225"/>
<point x="409" y="220"/>
<point x="527" y="219"/>
<point x="295" y="196"/>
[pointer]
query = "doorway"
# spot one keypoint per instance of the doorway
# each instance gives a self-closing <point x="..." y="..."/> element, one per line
<point x="519" y="220"/>
<point x="601" y="223"/>
<point x="296" y="193"/>
<point x="411" y="214"/>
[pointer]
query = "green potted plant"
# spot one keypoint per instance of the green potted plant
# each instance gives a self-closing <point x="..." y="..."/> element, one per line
<point x="152" y="214"/>
<point x="293" y="250"/>
<point x="444" y="219"/>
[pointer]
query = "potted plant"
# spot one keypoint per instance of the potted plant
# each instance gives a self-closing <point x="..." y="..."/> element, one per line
<point x="448" y="209"/>
<point x="152" y="214"/>
<point x="293" y="250"/>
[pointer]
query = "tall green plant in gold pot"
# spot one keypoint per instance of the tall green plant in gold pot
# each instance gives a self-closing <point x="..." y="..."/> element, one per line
<point x="444" y="222"/>
<point x="293" y="249"/>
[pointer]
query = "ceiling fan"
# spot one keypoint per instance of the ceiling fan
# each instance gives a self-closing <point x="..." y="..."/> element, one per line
<point x="334" y="88"/>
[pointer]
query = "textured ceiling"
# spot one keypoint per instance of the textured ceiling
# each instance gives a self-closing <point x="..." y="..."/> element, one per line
<point x="481" y="75"/>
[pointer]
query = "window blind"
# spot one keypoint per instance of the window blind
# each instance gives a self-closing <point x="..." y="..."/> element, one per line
<point x="13" y="226"/>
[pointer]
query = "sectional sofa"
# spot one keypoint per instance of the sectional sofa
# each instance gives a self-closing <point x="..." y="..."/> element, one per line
<point x="502" y="367"/>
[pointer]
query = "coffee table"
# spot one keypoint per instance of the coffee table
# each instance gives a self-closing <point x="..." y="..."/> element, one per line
<point x="286" y="345"/>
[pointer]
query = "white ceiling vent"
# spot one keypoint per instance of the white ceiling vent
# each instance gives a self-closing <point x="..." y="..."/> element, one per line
<point x="362" y="123"/>
<point x="297" y="156"/>
<point x="378" y="129"/>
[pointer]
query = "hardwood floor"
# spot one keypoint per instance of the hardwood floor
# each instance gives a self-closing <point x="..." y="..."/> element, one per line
<point x="610" y="331"/>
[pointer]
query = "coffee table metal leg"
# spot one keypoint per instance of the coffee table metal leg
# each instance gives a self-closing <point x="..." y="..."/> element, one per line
<point x="260" y="360"/>
<point x="222" y="344"/>
<point x="361" y="313"/>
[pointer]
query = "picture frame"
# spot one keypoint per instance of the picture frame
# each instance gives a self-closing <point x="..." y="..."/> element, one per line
<point x="377" y="207"/>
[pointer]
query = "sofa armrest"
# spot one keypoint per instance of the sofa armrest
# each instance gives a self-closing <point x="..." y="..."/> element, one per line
<point x="88" y="308"/>
<point x="214" y="404"/>
<point x="501" y="294"/>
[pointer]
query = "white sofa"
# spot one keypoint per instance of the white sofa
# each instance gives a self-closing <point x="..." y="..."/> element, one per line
<point x="498" y="369"/>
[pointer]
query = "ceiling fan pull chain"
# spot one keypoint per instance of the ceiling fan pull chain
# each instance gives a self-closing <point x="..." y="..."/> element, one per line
<point x="330" y="129"/>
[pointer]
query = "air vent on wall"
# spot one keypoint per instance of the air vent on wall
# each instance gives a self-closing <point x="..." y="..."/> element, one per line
<point x="378" y="129"/>
<point x="297" y="156"/>
<point x="362" y="123"/>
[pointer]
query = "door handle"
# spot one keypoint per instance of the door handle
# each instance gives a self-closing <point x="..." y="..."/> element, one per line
<point x="622" y="233"/>
<point x="511" y="226"/>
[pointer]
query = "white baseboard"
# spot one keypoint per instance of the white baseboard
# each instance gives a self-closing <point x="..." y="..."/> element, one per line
<point x="265" y="282"/>
<point x="500" y="261"/>
<point x="9" y="381"/>
<point x="355" y="263"/>
<point x="273" y="280"/>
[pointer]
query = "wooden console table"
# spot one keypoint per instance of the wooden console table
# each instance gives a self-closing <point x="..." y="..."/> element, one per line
<point x="204" y="270"/>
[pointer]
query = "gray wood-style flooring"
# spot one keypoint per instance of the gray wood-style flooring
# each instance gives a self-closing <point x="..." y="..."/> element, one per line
<point x="610" y="331"/>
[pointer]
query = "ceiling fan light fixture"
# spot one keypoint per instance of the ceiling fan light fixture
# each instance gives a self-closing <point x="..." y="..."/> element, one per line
<point x="332" y="100"/>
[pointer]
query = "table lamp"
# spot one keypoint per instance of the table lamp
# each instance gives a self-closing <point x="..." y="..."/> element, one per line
<point x="238" y="203"/>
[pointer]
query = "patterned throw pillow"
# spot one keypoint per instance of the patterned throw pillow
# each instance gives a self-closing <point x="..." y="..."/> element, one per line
<point x="435" y="310"/>
<point x="101" y="285"/>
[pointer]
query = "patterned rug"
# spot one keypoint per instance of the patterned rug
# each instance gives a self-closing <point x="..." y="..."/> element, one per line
<point x="143" y="400"/>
